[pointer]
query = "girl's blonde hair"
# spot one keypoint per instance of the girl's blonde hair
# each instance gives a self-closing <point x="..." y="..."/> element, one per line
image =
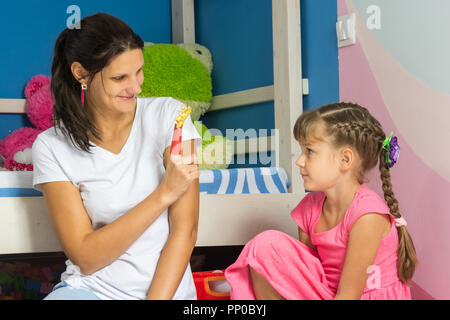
<point x="349" y="124"/>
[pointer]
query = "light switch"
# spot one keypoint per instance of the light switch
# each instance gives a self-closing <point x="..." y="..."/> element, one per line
<point x="345" y="30"/>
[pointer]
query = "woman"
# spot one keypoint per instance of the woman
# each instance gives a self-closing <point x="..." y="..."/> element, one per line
<point x="124" y="210"/>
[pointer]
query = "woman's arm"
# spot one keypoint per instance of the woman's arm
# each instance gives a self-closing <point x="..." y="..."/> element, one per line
<point x="92" y="250"/>
<point x="364" y="240"/>
<point x="183" y="222"/>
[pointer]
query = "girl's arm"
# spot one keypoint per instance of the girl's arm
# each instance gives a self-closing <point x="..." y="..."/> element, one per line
<point x="175" y="256"/>
<point x="364" y="240"/>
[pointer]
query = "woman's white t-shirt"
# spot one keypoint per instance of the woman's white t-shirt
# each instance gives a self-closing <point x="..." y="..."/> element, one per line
<point x="112" y="184"/>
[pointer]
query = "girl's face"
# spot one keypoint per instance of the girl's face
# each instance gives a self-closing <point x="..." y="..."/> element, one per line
<point x="115" y="88"/>
<point x="318" y="163"/>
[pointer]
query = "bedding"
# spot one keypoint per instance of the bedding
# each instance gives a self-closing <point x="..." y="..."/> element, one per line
<point x="227" y="181"/>
<point x="244" y="180"/>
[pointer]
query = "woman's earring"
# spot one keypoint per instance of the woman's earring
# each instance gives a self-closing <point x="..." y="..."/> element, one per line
<point x="83" y="88"/>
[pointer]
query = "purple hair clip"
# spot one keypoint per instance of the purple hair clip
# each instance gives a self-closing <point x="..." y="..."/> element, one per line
<point x="392" y="148"/>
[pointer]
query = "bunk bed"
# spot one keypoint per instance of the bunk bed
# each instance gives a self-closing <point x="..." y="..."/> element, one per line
<point x="226" y="219"/>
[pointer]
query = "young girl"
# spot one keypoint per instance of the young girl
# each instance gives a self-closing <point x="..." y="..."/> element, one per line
<point x="352" y="246"/>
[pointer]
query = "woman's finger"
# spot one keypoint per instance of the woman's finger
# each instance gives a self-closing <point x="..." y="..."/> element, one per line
<point x="190" y="159"/>
<point x="176" y="158"/>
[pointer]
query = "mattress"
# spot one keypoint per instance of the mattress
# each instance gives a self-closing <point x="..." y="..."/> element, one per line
<point x="17" y="184"/>
<point x="227" y="181"/>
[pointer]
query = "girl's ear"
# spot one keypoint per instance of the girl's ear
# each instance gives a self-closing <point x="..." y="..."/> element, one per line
<point x="346" y="158"/>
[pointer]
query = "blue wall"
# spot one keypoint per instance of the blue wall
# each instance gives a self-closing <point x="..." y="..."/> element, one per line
<point x="240" y="39"/>
<point x="30" y="28"/>
<point x="320" y="62"/>
<point x="238" y="33"/>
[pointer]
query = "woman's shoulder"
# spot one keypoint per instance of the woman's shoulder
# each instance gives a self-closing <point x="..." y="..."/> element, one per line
<point x="159" y="105"/>
<point x="160" y="111"/>
<point x="51" y="136"/>
<point x="53" y="140"/>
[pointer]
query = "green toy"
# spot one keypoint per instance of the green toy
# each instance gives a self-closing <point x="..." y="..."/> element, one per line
<point x="183" y="72"/>
<point x="180" y="71"/>
<point x="217" y="151"/>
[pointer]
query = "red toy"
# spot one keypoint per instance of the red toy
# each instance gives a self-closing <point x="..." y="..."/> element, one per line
<point x="211" y="285"/>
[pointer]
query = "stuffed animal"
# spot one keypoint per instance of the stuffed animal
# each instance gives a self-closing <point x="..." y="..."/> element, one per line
<point x="183" y="71"/>
<point x="16" y="147"/>
<point x="180" y="71"/>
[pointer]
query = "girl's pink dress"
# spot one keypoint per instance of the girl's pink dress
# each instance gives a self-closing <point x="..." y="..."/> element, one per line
<point x="300" y="273"/>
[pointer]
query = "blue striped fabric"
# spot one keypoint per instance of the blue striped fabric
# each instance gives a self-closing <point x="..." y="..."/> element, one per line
<point x="229" y="181"/>
<point x="244" y="180"/>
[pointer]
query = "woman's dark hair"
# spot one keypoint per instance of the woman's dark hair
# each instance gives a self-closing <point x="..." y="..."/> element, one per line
<point x="100" y="38"/>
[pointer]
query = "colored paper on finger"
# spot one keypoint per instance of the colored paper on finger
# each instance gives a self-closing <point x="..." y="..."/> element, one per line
<point x="175" y="148"/>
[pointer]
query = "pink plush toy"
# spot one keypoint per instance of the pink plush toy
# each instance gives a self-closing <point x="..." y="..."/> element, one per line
<point x="16" y="147"/>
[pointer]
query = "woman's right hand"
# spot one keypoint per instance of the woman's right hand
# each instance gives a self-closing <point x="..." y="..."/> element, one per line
<point x="181" y="171"/>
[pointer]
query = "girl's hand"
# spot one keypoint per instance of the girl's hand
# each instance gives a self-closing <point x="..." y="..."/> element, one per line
<point x="181" y="171"/>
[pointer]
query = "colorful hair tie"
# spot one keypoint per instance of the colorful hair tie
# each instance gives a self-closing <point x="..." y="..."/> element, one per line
<point x="400" y="222"/>
<point x="392" y="148"/>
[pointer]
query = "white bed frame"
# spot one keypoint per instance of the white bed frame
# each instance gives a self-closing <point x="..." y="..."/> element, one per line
<point x="228" y="219"/>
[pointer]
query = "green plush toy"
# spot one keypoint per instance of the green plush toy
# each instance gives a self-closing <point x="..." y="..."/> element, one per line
<point x="183" y="72"/>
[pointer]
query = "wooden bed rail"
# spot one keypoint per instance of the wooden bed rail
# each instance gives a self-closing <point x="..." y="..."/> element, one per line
<point x="224" y="220"/>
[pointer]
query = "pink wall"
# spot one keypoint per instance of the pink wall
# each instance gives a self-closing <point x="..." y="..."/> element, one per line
<point x="417" y="114"/>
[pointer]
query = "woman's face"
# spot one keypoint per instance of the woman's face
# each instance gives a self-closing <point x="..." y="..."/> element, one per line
<point x="115" y="88"/>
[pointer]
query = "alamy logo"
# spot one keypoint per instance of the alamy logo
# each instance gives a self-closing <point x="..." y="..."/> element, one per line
<point x="73" y="21"/>
<point x="239" y="146"/>
<point x="374" y="280"/>
<point x="374" y="20"/>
